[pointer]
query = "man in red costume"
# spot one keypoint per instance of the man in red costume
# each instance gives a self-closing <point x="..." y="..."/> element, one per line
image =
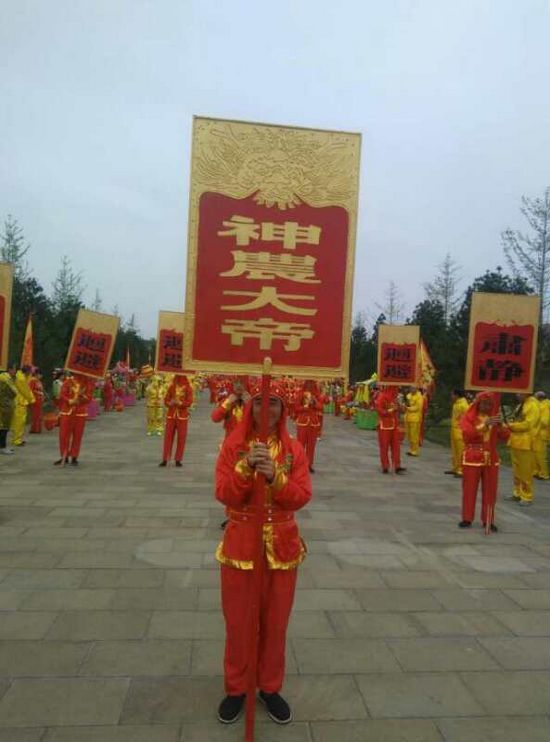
<point x="178" y="400"/>
<point x="75" y="395"/>
<point x="230" y="410"/>
<point x="387" y="407"/>
<point x="37" y="388"/>
<point x="283" y="463"/>
<point x="308" y="424"/>
<point x="481" y="429"/>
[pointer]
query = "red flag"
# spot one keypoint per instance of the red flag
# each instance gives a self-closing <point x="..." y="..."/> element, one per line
<point x="27" y="353"/>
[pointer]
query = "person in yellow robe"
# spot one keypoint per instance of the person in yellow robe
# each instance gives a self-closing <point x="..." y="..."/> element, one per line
<point x="24" y="398"/>
<point x="459" y="408"/>
<point x="522" y="442"/>
<point x="413" y="419"/>
<point x="541" y="444"/>
<point x="154" y="405"/>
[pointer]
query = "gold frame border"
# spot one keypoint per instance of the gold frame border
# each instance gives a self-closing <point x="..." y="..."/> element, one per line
<point x="192" y="238"/>
<point x="81" y="321"/>
<point x="500" y="311"/>
<point x="6" y="280"/>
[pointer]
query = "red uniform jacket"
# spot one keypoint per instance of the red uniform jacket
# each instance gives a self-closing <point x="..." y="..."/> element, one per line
<point x="480" y="443"/>
<point x="307" y="409"/>
<point x="230" y="413"/>
<point x="182" y="395"/>
<point x="388" y="411"/>
<point x="75" y="396"/>
<point x="289" y="491"/>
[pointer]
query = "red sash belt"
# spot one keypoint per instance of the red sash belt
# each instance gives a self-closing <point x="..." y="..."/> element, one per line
<point x="270" y="515"/>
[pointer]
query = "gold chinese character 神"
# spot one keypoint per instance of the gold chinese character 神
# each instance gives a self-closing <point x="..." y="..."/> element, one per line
<point x="269" y="295"/>
<point x="242" y="228"/>
<point x="266" y="331"/>
<point x="265" y="265"/>
<point x="291" y="234"/>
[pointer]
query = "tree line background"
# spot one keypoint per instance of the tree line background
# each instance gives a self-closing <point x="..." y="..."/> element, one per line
<point x="444" y="313"/>
<point x="54" y="311"/>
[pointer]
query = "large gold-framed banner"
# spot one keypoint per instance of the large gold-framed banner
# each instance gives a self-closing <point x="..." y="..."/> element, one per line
<point x="502" y="342"/>
<point x="398" y="354"/>
<point x="169" y="348"/>
<point x="6" y="288"/>
<point x="92" y="343"/>
<point x="272" y="224"/>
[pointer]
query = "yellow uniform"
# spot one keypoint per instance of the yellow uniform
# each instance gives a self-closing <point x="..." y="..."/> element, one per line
<point x="413" y="420"/>
<point x="541" y="444"/>
<point x="460" y="406"/>
<point x="23" y="399"/>
<point x="524" y="432"/>
<point x="154" y="404"/>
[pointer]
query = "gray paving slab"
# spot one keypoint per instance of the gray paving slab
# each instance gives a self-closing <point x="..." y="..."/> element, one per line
<point x="404" y="628"/>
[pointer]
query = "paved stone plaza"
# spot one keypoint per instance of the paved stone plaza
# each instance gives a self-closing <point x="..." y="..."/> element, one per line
<point x="404" y="629"/>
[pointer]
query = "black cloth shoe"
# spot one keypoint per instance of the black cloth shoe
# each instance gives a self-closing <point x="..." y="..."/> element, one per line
<point x="465" y="524"/>
<point x="74" y="462"/>
<point x="449" y="471"/>
<point x="493" y="528"/>
<point x="312" y="470"/>
<point x="385" y="471"/>
<point x="223" y="525"/>
<point x="178" y="463"/>
<point x="277" y="708"/>
<point x="230" y="709"/>
<point x="58" y="462"/>
<point x="400" y="469"/>
<point x="163" y="463"/>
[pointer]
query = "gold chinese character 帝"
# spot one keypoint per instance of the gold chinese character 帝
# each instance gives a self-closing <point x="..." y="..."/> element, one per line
<point x="291" y="234"/>
<point x="266" y="331"/>
<point x="242" y="228"/>
<point x="269" y="295"/>
<point x="265" y="265"/>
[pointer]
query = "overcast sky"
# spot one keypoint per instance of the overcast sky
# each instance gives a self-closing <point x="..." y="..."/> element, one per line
<point x="97" y="99"/>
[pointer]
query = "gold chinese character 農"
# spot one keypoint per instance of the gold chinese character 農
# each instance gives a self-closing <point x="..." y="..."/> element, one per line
<point x="266" y="331"/>
<point x="269" y="295"/>
<point x="265" y="266"/>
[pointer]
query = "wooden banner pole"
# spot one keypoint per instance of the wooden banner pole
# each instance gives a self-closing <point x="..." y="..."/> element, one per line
<point x="257" y="574"/>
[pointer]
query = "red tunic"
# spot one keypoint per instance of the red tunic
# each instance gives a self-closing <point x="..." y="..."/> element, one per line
<point x="230" y="413"/>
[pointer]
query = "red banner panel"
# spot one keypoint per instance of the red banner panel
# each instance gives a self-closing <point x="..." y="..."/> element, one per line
<point x="267" y="285"/>
<point x="398" y="363"/>
<point x="92" y="344"/>
<point x="170" y="351"/>
<point x="502" y="356"/>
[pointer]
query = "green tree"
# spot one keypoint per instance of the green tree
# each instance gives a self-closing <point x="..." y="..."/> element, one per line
<point x="444" y="287"/>
<point x="68" y="287"/>
<point x="528" y="255"/>
<point x="14" y="249"/>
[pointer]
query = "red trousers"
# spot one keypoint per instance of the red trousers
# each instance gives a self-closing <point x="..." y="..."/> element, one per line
<point x="307" y="435"/>
<point x="276" y="604"/>
<point x="388" y="441"/>
<point x="471" y="475"/>
<point x="71" y="430"/>
<point x="173" y="426"/>
<point x="107" y="402"/>
<point x="36" y="417"/>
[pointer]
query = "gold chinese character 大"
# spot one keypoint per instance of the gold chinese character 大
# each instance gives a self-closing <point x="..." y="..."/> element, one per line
<point x="268" y="295"/>
<point x="266" y="331"/>
<point x="264" y="266"/>
<point x="244" y="229"/>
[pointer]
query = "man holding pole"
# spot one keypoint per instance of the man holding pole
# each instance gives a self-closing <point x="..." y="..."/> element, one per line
<point x="242" y="462"/>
